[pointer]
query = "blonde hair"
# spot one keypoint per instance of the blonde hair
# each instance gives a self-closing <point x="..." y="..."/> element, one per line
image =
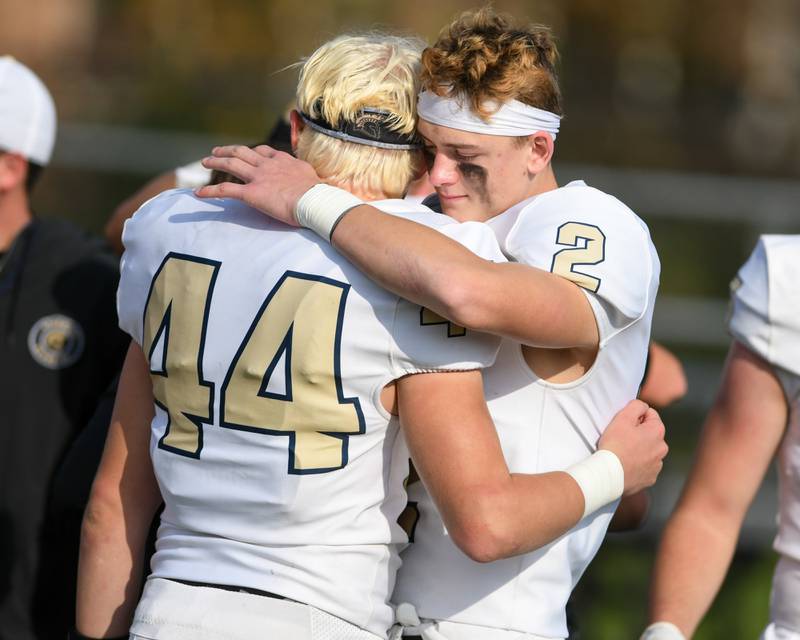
<point x="487" y="58"/>
<point x="338" y="80"/>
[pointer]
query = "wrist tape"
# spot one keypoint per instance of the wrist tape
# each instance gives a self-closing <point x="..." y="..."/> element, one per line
<point x="662" y="631"/>
<point x="601" y="479"/>
<point x="322" y="206"/>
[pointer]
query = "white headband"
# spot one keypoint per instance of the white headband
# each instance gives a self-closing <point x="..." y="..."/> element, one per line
<point x="513" y="118"/>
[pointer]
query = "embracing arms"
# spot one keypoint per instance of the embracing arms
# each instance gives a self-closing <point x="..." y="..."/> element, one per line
<point x="490" y="512"/>
<point x="417" y="262"/>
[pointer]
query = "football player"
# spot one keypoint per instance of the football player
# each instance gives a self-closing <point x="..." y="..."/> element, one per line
<point x="576" y="325"/>
<point x="755" y="417"/>
<point x="262" y="379"/>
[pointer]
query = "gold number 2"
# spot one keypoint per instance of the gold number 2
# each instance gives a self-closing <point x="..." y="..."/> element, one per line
<point x="589" y="247"/>
<point x="300" y="321"/>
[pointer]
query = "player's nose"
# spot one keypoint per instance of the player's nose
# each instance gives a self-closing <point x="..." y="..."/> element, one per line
<point x="443" y="171"/>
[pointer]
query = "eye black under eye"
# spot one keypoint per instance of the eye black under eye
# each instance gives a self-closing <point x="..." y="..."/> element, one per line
<point x="469" y="170"/>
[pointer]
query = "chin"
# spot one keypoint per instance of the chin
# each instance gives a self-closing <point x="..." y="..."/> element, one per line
<point x="462" y="211"/>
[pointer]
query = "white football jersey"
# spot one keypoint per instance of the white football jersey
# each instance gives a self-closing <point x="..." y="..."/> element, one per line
<point x="268" y="353"/>
<point x="593" y="239"/>
<point x="765" y="317"/>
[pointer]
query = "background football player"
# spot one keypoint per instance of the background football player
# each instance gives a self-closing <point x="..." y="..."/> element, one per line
<point x="489" y="113"/>
<point x="755" y="417"/>
<point x="272" y="443"/>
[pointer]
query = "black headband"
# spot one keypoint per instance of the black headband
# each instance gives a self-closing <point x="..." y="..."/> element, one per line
<point x="370" y="127"/>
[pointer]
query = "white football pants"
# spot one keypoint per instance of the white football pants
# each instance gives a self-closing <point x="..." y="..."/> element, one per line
<point x="170" y="610"/>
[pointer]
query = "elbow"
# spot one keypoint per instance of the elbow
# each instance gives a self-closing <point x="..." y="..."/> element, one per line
<point x="480" y="531"/>
<point x="478" y="543"/>
<point x="465" y="304"/>
<point x="102" y="520"/>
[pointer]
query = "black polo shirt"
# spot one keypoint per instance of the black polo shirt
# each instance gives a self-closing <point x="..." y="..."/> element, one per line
<point x="59" y="349"/>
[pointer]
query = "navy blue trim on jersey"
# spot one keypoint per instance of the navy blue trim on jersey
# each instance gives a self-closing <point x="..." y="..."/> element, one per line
<point x="285" y="347"/>
<point x="572" y="247"/>
<point x="198" y="421"/>
<point x="344" y="437"/>
<point x="163" y="329"/>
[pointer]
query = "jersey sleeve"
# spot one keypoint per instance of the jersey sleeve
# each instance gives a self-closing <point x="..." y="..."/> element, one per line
<point x="426" y="342"/>
<point x="764" y="302"/>
<point x="749" y="321"/>
<point x="595" y="241"/>
<point x="141" y="238"/>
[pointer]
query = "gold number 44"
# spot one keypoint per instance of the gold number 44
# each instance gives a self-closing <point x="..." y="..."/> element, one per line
<point x="300" y="322"/>
<point x="588" y="244"/>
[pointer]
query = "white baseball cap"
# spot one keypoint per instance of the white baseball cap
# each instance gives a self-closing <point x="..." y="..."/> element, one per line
<point x="27" y="113"/>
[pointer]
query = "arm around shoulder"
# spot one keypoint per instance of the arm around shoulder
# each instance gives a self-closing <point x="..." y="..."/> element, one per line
<point x="488" y="511"/>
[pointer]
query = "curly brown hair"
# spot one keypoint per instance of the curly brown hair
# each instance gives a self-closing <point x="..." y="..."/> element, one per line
<point x="491" y="60"/>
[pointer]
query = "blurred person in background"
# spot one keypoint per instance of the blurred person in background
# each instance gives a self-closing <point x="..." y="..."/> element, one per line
<point x="755" y="417"/>
<point x="489" y="114"/>
<point x="664" y="378"/>
<point x="664" y="384"/>
<point x="190" y="176"/>
<point x="59" y="349"/>
<point x="195" y="175"/>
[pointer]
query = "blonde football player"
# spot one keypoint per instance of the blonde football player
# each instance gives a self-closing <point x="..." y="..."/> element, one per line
<point x="755" y="417"/>
<point x="489" y="114"/>
<point x="262" y="378"/>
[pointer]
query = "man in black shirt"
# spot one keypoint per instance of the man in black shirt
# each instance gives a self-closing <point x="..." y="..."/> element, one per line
<point x="59" y="349"/>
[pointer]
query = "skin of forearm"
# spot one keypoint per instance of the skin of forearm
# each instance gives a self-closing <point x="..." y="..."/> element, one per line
<point x="123" y="501"/>
<point x="695" y="542"/>
<point x="489" y="512"/>
<point x="422" y="265"/>
<point x="109" y="574"/>
<point x="517" y="515"/>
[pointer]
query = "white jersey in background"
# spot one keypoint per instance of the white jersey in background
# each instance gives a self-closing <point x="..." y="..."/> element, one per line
<point x="268" y="354"/>
<point x="765" y="318"/>
<point x="192" y="176"/>
<point x="593" y="239"/>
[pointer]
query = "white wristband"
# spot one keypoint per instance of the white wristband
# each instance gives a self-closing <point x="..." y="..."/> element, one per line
<point x="322" y="206"/>
<point x="662" y="631"/>
<point x="601" y="479"/>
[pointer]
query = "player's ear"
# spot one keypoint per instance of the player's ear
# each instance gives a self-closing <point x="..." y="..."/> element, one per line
<point x="297" y="125"/>
<point x="13" y="171"/>
<point x="541" y="147"/>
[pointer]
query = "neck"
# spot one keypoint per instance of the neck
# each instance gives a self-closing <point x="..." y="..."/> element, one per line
<point x="366" y="196"/>
<point x="542" y="182"/>
<point x="15" y="215"/>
